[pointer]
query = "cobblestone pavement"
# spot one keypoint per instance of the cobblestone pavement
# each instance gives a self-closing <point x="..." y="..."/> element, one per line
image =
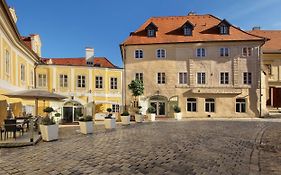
<point x="166" y="147"/>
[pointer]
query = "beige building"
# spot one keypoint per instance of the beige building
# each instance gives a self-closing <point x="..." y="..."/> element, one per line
<point x="207" y="66"/>
<point x="271" y="55"/>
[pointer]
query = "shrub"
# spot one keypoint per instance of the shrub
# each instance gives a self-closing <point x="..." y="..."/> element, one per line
<point x="125" y="113"/>
<point x="86" y="118"/>
<point x="109" y="110"/>
<point x="57" y="114"/>
<point x="177" y="109"/>
<point x="48" y="110"/>
<point x="151" y="110"/>
<point x="47" y="121"/>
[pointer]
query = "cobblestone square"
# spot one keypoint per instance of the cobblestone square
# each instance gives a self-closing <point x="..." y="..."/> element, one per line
<point x="163" y="147"/>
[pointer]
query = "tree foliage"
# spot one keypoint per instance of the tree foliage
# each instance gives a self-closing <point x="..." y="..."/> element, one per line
<point x="136" y="87"/>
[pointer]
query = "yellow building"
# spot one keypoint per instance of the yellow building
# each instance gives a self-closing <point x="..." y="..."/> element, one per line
<point x="91" y="84"/>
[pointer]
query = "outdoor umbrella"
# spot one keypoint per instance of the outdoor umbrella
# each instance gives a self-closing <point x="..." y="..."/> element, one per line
<point x="36" y="94"/>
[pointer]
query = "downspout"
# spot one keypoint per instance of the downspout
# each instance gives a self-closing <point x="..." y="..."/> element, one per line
<point x="34" y="75"/>
<point x="123" y="54"/>
<point x="260" y="72"/>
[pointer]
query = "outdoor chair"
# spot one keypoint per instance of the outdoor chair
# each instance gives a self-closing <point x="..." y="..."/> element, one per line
<point x="11" y="127"/>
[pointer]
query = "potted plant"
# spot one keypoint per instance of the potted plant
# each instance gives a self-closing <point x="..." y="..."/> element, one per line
<point x="57" y="115"/>
<point x="86" y="124"/>
<point x="109" y="121"/>
<point x="138" y="115"/>
<point x="48" y="127"/>
<point x="177" y="112"/>
<point x="151" y="113"/>
<point x="125" y="118"/>
<point x="137" y="89"/>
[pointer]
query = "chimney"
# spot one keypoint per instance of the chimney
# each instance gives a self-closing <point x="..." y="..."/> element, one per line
<point x="89" y="52"/>
<point x="256" y="28"/>
<point x="191" y="13"/>
<point x="13" y="13"/>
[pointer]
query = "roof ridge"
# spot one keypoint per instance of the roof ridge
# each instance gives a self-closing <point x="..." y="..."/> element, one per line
<point x="179" y="16"/>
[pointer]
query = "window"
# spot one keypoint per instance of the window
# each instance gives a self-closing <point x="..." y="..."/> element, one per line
<point x="224" y="29"/>
<point x="31" y="78"/>
<point x="161" y="53"/>
<point x="269" y="68"/>
<point x="191" y="105"/>
<point x="115" y="108"/>
<point x="161" y="79"/>
<point x="224" y="78"/>
<point x="247" y="77"/>
<point x="209" y="105"/>
<point x="240" y="105"/>
<point x="22" y="72"/>
<point x="42" y="80"/>
<point x="99" y="83"/>
<point x="139" y="76"/>
<point x="113" y="83"/>
<point x="63" y="81"/>
<point x="151" y="33"/>
<point x="7" y="62"/>
<point x="224" y="52"/>
<point x="183" y="78"/>
<point x="201" y="52"/>
<point x="187" y="31"/>
<point x="138" y="53"/>
<point x="81" y="81"/>
<point x="247" y="51"/>
<point x="201" y="78"/>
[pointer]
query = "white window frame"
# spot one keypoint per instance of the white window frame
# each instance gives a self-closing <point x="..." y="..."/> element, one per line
<point x="248" y="51"/>
<point x="151" y="32"/>
<point x="138" y="54"/>
<point x="201" y="52"/>
<point x="22" y="72"/>
<point x="81" y="81"/>
<point x="113" y="83"/>
<point x="192" y="103"/>
<point x="139" y="76"/>
<point x="187" y="31"/>
<point x="240" y="105"/>
<point x="115" y="108"/>
<point x="7" y="62"/>
<point x="99" y="82"/>
<point x="209" y="104"/>
<point x="224" y="29"/>
<point x="247" y="78"/>
<point x="224" y="52"/>
<point x="223" y="80"/>
<point x="161" y="53"/>
<point x="162" y="78"/>
<point x="42" y="80"/>
<point x="182" y="78"/>
<point x="201" y="78"/>
<point x="63" y="80"/>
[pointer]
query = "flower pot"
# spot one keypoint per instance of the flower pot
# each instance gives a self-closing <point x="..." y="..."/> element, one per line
<point x="86" y="127"/>
<point x="139" y="118"/>
<point x="49" y="132"/>
<point x="178" y="116"/>
<point x="151" y="117"/>
<point x="109" y="123"/>
<point x="125" y="120"/>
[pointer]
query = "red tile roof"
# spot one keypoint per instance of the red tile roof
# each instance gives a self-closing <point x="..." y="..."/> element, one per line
<point x="98" y="62"/>
<point x="272" y="45"/>
<point x="27" y="41"/>
<point x="170" y="31"/>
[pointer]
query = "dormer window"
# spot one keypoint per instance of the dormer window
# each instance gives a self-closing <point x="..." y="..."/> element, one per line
<point x="187" y="28"/>
<point x="224" y="27"/>
<point x="151" y="30"/>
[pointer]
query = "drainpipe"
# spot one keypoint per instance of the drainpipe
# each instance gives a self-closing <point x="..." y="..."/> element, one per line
<point x="34" y="75"/>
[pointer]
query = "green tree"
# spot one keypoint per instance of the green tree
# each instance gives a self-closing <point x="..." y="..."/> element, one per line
<point x="137" y="88"/>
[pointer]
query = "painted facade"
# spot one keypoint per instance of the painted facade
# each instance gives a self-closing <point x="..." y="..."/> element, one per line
<point x="186" y="61"/>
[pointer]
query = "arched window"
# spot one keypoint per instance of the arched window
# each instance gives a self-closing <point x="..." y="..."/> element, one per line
<point x="209" y="105"/>
<point x="191" y="104"/>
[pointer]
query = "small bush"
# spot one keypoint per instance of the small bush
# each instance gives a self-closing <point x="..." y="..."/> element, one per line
<point x="109" y="110"/>
<point x="151" y="110"/>
<point x="125" y="113"/>
<point x="48" y="110"/>
<point x="57" y="114"/>
<point x="177" y="109"/>
<point x="86" y="118"/>
<point x="47" y="121"/>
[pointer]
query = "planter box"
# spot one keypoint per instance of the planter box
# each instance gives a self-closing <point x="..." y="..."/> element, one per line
<point x="109" y="123"/>
<point x="151" y="117"/>
<point x="86" y="127"/>
<point x="49" y="132"/>
<point x="139" y="118"/>
<point x="125" y="120"/>
<point x="178" y="116"/>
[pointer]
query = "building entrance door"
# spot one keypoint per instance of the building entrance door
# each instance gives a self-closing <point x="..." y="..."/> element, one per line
<point x="160" y="107"/>
<point x="71" y="111"/>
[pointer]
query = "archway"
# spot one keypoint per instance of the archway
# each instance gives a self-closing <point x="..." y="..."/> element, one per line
<point x="71" y="111"/>
<point x="160" y="103"/>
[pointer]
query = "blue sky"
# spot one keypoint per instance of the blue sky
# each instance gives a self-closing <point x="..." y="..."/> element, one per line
<point x="66" y="27"/>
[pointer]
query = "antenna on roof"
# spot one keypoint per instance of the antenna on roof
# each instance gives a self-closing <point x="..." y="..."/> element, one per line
<point x="191" y="13"/>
